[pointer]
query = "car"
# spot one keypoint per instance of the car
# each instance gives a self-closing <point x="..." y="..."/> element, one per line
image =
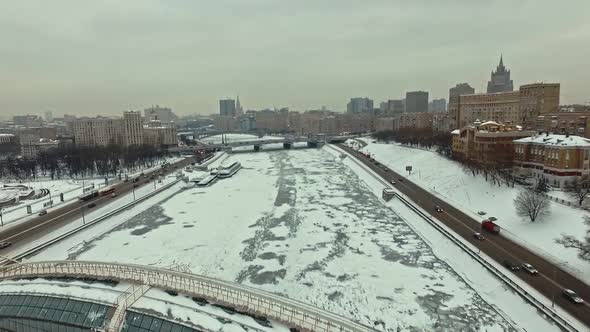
<point x="114" y="195"/>
<point x="572" y="296"/>
<point x="91" y="205"/>
<point x="510" y="265"/>
<point x="478" y="236"/>
<point x="42" y="213"/>
<point x="392" y="181"/>
<point x="136" y="185"/>
<point x="5" y="244"/>
<point x="401" y="179"/>
<point x="126" y="180"/>
<point x="438" y="208"/>
<point x="529" y="268"/>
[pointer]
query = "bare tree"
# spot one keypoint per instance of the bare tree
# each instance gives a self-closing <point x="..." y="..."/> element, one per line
<point x="531" y="204"/>
<point x="583" y="246"/>
<point x="578" y="188"/>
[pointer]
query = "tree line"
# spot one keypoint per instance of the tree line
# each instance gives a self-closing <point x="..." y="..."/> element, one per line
<point x="416" y="137"/>
<point x="81" y="161"/>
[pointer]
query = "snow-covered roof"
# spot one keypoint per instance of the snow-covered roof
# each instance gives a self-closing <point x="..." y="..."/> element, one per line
<point x="489" y="123"/>
<point x="455" y="132"/>
<point x="556" y="140"/>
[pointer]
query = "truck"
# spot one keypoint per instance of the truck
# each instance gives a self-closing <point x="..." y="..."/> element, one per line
<point x="490" y="226"/>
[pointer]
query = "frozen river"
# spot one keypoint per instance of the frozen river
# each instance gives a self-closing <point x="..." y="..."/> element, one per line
<point x="302" y="224"/>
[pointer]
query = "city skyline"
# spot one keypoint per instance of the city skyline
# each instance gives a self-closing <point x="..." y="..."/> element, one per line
<point x="112" y="58"/>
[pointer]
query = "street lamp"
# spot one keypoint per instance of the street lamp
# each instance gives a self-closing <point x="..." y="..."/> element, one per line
<point x="83" y="215"/>
<point x="555" y="280"/>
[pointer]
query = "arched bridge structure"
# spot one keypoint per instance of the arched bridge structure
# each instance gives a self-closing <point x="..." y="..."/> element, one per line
<point x="295" y="314"/>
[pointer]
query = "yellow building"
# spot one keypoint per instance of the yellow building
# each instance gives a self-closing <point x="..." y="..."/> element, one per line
<point x="520" y="107"/>
<point x="557" y="158"/>
<point x="488" y="143"/>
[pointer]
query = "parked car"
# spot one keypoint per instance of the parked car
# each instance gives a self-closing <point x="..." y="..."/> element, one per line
<point x="478" y="236"/>
<point x="438" y="208"/>
<point x="91" y="205"/>
<point x="529" y="268"/>
<point x="136" y="185"/>
<point x="392" y="181"/>
<point x="5" y="244"/>
<point x="126" y="180"/>
<point x="113" y="195"/>
<point x="42" y="213"/>
<point x="572" y="296"/>
<point x="401" y="179"/>
<point x="510" y="265"/>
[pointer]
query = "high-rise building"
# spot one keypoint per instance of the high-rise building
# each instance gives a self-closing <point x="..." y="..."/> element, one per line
<point x="48" y="116"/>
<point x="392" y="107"/>
<point x="500" y="107"/>
<point x="500" y="79"/>
<point x="101" y="131"/>
<point x="27" y="120"/>
<point x="521" y="107"/>
<point x="460" y="89"/>
<point x="163" y="114"/>
<point x="132" y="128"/>
<point x="416" y="101"/>
<point x="537" y="99"/>
<point x="227" y="107"/>
<point x="239" y="110"/>
<point x="437" y="106"/>
<point x="159" y="134"/>
<point x="454" y="93"/>
<point x="359" y="105"/>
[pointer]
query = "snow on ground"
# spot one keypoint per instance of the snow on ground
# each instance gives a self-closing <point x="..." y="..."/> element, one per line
<point x="71" y="188"/>
<point x="94" y="213"/>
<point x="446" y="178"/>
<point x="302" y="224"/>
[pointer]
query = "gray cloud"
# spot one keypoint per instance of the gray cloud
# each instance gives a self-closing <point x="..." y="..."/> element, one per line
<point x="103" y="57"/>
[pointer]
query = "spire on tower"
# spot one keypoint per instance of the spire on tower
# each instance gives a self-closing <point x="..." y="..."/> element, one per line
<point x="501" y="65"/>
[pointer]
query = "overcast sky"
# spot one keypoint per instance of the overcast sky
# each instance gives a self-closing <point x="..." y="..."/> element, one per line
<point x="103" y="57"/>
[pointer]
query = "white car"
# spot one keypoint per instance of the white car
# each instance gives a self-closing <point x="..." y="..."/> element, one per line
<point x="529" y="268"/>
<point x="572" y="296"/>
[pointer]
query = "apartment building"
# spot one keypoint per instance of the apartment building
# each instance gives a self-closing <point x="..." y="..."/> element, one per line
<point x="384" y="124"/>
<point x="514" y="107"/>
<point x="571" y="123"/>
<point x="498" y="107"/>
<point x="132" y="128"/>
<point x="99" y="131"/>
<point x="557" y="158"/>
<point x="103" y="131"/>
<point x="419" y="120"/>
<point x="158" y="134"/>
<point x="32" y="144"/>
<point x="537" y="99"/>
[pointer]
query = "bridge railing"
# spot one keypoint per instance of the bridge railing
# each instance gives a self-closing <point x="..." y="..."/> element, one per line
<point x="243" y="298"/>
